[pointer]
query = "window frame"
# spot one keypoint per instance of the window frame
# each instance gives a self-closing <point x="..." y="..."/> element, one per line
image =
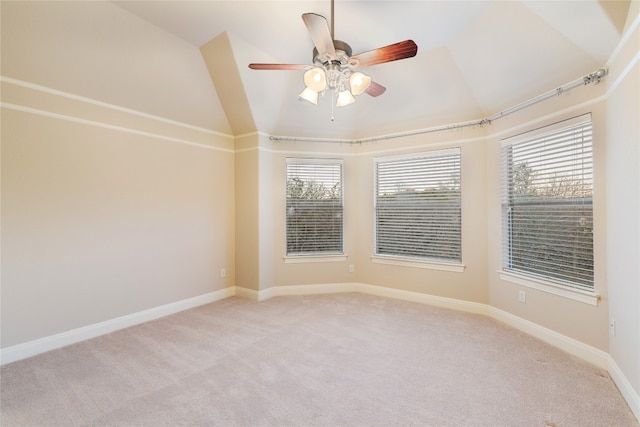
<point x="547" y="283"/>
<point x="434" y="263"/>
<point x="314" y="256"/>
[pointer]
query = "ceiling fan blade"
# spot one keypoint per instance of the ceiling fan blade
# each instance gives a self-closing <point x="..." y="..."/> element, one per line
<point x="278" y="66"/>
<point x="320" y="33"/>
<point x="375" y="89"/>
<point x="393" y="52"/>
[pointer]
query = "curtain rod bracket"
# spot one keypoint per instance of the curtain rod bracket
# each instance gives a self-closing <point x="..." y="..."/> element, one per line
<point x="595" y="76"/>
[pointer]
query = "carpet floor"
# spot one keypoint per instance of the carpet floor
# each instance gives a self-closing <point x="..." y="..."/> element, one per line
<point x="325" y="360"/>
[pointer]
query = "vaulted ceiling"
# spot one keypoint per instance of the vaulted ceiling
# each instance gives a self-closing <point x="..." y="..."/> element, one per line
<point x="475" y="58"/>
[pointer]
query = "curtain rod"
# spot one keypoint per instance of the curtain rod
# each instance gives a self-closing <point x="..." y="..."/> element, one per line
<point x="594" y="77"/>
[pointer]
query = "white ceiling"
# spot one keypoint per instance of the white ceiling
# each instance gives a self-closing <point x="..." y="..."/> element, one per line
<point x="475" y="58"/>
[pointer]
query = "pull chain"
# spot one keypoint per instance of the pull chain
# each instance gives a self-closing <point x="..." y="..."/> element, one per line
<point x="332" y="99"/>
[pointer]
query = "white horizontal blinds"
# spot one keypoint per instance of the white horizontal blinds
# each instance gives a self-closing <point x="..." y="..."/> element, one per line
<point x="547" y="203"/>
<point x="417" y="210"/>
<point x="314" y="206"/>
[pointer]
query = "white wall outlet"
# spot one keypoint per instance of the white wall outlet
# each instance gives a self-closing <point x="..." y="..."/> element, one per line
<point x="352" y="268"/>
<point x="223" y="273"/>
<point x="612" y="327"/>
<point x="522" y="296"/>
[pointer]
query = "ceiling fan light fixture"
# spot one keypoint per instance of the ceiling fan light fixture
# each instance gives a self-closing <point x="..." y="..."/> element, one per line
<point x="315" y="79"/>
<point x="344" y="98"/>
<point x="309" y="95"/>
<point x="359" y="82"/>
<point x="333" y="64"/>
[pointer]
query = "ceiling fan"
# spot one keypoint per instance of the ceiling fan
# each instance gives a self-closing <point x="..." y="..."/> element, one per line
<point x="334" y="67"/>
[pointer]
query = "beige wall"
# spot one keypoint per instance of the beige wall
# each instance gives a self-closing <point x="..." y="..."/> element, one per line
<point x="575" y="319"/>
<point x="246" y="190"/>
<point x="623" y="208"/>
<point x="480" y="281"/>
<point x="123" y="60"/>
<point x="273" y="201"/>
<point x="106" y="218"/>
<point x="481" y="235"/>
<point x="108" y="212"/>
<point x="481" y="216"/>
<point x="358" y="160"/>
<point x="469" y="285"/>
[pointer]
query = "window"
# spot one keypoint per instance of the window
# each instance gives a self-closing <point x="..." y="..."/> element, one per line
<point x="417" y="206"/>
<point x="547" y="211"/>
<point x="314" y="206"/>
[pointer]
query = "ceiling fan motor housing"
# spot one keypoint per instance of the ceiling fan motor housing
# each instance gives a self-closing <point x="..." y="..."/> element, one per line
<point x="343" y="52"/>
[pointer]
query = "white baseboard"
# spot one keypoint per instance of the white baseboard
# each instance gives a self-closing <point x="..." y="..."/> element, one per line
<point x="246" y="293"/>
<point x="32" y="348"/>
<point x="626" y="389"/>
<point x="570" y="345"/>
<point x="278" y="291"/>
<point x="563" y="342"/>
<point x="315" y="289"/>
<point x="444" y="302"/>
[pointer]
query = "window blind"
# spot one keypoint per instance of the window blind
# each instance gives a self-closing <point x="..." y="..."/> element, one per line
<point x="314" y="206"/>
<point x="418" y="207"/>
<point x="547" y="209"/>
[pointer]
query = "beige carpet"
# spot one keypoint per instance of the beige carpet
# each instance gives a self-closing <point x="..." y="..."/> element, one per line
<point x="330" y="360"/>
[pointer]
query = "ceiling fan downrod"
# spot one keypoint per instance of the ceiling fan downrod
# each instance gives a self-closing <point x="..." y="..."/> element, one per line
<point x="333" y="36"/>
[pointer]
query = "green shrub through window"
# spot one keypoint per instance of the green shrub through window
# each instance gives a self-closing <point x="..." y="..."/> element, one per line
<point x="314" y="207"/>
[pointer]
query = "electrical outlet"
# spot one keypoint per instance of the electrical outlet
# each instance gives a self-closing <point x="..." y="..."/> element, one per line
<point x="522" y="296"/>
<point x="352" y="268"/>
<point x="612" y="326"/>
<point x="223" y="273"/>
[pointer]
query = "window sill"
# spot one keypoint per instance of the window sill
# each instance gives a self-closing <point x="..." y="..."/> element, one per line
<point x="314" y="258"/>
<point x="406" y="262"/>
<point x="580" y="295"/>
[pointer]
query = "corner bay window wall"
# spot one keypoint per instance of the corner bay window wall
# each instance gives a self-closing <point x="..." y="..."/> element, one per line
<point x="547" y="210"/>
<point x="418" y="207"/>
<point x="314" y="207"/>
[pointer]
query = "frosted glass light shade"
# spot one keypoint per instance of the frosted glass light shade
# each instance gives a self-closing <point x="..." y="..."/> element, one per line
<point x="345" y="98"/>
<point x="309" y="95"/>
<point x="315" y="79"/>
<point x="359" y="83"/>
